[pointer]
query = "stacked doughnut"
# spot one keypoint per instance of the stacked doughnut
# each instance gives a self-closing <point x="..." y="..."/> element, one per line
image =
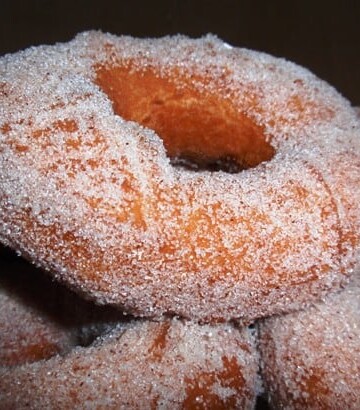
<point x="311" y="359"/>
<point x="26" y="336"/>
<point x="182" y="181"/>
<point x="39" y="319"/>
<point x="57" y="351"/>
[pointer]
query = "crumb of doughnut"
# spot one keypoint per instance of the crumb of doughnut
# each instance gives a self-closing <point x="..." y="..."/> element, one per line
<point x="311" y="359"/>
<point x="94" y="198"/>
<point x="143" y="365"/>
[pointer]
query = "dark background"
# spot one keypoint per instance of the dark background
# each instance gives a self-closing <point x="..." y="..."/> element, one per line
<point x="321" y="35"/>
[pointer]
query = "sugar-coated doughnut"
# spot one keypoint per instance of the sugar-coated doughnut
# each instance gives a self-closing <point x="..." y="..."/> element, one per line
<point x="311" y="359"/>
<point x="178" y="176"/>
<point x="143" y="365"/>
<point x="49" y="359"/>
<point x="39" y="319"/>
<point x="27" y="334"/>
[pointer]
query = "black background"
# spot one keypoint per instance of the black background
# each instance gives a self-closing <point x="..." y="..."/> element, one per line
<point x="321" y="35"/>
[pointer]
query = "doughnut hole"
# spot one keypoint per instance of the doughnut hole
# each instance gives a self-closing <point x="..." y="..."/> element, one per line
<point x="199" y="130"/>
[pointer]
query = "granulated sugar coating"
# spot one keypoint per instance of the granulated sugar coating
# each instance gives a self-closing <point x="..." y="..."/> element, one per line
<point x="311" y="359"/>
<point x="143" y="365"/>
<point x="178" y="176"/>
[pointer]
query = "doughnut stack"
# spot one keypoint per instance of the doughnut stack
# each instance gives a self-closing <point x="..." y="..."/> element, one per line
<point x="58" y="351"/>
<point x="194" y="211"/>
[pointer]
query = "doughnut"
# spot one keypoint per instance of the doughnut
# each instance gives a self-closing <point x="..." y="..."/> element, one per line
<point x="141" y="365"/>
<point x="59" y="351"/>
<point x="26" y="335"/>
<point x="178" y="177"/>
<point x="39" y="320"/>
<point x="311" y="359"/>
